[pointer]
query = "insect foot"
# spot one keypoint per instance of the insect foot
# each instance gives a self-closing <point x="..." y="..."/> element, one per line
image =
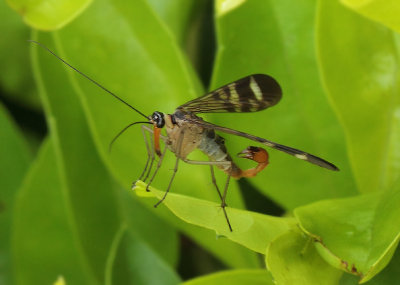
<point x="134" y="184"/>
<point x="257" y="154"/>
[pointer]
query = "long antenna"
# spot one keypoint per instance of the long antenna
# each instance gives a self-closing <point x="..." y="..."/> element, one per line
<point x="122" y="131"/>
<point x="87" y="77"/>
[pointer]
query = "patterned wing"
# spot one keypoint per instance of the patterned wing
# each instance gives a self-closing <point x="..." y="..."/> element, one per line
<point x="249" y="94"/>
<point x="289" y="150"/>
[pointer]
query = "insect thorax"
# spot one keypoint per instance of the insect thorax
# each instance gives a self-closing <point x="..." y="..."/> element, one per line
<point x="176" y="126"/>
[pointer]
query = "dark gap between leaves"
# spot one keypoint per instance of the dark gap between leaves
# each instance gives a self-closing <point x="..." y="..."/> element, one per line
<point x="257" y="202"/>
<point x="195" y="261"/>
<point x="27" y="119"/>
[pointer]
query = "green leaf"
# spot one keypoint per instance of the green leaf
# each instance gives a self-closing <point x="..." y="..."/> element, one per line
<point x="14" y="162"/>
<point x="141" y="262"/>
<point x="149" y="228"/>
<point x="384" y="12"/>
<point x="390" y="273"/>
<point x="234" y="277"/>
<point x="292" y="259"/>
<point x="95" y="215"/>
<point x="43" y="245"/>
<point x="175" y="14"/>
<point x="223" y="7"/>
<point x="94" y="222"/>
<point x="136" y="58"/>
<point x="49" y="15"/>
<point x="358" y="235"/>
<point x="276" y="38"/>
<point x="359" y="62"/>
<point x="60" y="281"/>
<point x="252" y="230"/>
<point x="17" y="83"/>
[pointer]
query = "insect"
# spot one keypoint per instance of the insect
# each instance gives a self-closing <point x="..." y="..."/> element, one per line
<point x="186" y="131"/>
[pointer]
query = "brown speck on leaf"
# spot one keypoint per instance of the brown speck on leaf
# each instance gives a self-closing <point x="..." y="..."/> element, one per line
<point x="344" y="264"/>
<point x="317" y="240"/>
<point x="353" y="268"/>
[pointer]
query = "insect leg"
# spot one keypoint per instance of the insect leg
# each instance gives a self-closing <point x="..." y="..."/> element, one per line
<point x="150" y="155"/>
<point x="222" y="196"/>
<point x="170" y="183"/>
<point x="157" y="168"/>
<point x="214" y="181"/>
<point x="178" y="152"/>
<point x="150" y="150"/>
<point x="150" y="130"/>
<point x="223" y="203"/>
<point x="200" y="162"/>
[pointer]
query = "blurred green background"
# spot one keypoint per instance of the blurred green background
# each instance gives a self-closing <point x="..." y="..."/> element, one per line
<point x="66" y="209"/>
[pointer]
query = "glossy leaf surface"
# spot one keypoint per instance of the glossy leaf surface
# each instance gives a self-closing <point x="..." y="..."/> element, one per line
<point x="384" y="12"/>
<point x="14" y="163"/>
<point x="233" y="277"/>
<point x="281" y="45"/>
<point x="359" y="234"/>
<point x="129" y="63"/>
<point x="252" y="230"/>
<point x="48" y="15"/>
<point x="359" y="62"/>
<point x="292" y="259"/>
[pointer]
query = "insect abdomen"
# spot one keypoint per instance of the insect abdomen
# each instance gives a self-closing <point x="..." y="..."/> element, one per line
<point x="213" y="146"/>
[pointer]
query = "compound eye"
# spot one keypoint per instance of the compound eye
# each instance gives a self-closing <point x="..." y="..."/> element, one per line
<point x="158" y="118"/>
